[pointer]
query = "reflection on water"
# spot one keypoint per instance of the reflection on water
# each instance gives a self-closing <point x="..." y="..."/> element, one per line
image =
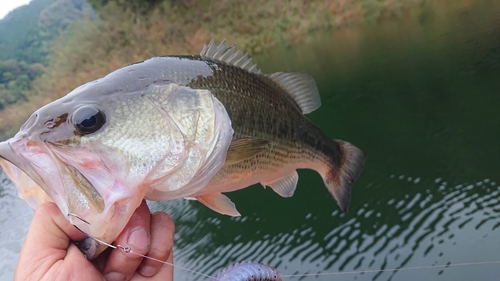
<point x="15" y="216"/>
<point x="434" y="222"/>
<point x="419" y="95"/>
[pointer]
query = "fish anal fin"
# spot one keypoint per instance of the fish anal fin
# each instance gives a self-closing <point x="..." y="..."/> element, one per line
<point x="219" y="203"/>
<point x="285" y="186"/>
<point x="241" y="149"/>
<point x="229" y="55"/>
<point x="301" y="87"/>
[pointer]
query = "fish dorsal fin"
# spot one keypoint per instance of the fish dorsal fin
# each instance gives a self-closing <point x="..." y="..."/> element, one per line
<point x="229" y="55"/>
<point x="301" y="87"/>
<point x="241" y="149"/>
<point x="219" y="203"/>
<point x="286" y="185"/>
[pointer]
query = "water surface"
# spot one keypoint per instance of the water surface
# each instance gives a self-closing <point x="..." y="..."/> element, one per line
<point x="420" y="96"/>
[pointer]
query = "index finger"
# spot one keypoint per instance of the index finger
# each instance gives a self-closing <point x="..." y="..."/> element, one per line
<point x="162" y="241"/>
<point x="121" y="265"/>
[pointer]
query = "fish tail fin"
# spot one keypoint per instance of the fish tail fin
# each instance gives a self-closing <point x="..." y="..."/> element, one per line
<point x="341" y="176"/>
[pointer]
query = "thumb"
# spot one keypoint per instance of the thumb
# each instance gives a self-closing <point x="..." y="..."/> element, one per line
<point x="47" y="242"/>
<point x="51" y="230"/>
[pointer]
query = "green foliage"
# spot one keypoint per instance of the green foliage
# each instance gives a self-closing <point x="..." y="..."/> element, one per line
<point x="15" y="80"/>
<point x="140" y="6"/>
<point x="26" y="36"/>
<point x="26" y="33"/>
<point x="19" y="28"/>
<point x="128" y="31"/>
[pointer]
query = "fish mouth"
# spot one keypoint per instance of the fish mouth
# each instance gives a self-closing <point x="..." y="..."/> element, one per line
<point x="23" y="175"/>
<point x="10" y="158"/>
<point x="93" y="200"/>
<point x="41" y="176"/>
<point x="29" y="185"/>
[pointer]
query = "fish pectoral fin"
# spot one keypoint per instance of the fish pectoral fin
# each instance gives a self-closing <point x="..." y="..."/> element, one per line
<point x="286" y="185"/>
<point x="301" y="87"/>
<point x="219" y="203"/>
<point x="241" y="149"/>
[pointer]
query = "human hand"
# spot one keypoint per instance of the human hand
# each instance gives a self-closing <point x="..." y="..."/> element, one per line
<point x="49" y="254"/>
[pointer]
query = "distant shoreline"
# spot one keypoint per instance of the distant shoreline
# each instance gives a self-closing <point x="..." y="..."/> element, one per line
<point x="95" y="47"/>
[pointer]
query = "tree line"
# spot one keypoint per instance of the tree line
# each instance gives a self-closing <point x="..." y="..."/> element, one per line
<point x="26" y="37"/>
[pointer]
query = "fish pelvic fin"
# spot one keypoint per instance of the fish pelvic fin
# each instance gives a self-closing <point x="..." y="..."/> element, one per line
<point x="340" y="178"/>
<point x="301" y="87"/>
<point x="241" y="149"/>
<point x="219" y="203"/>
<point x="284" y="186"/>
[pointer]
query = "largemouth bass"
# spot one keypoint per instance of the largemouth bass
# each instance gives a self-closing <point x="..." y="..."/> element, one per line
<point x="172" y="127"/>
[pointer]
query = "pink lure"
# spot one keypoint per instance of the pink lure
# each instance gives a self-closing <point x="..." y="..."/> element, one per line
<point x="248" y="271"/>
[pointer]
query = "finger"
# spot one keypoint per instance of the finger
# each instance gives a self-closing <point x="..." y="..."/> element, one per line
<point x="47" y="243"/>
<point x="162" y="240"/>
<point x="165" y="273"/>
<point x="100" y="261"/>
<point x="49" y="220"/>
<point x="121" y="265"/>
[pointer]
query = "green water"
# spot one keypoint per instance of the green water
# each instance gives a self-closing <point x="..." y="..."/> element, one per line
<point x="420" y="96"/>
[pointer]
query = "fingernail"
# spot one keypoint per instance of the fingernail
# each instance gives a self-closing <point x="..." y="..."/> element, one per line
<point x="139" y="238"/>
<point x="115" y="276"/>
<point x="147" y="270"/>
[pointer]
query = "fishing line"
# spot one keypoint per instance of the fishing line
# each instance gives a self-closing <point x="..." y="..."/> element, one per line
<point x="394" y="269"/>
<point x="128" y="250"/>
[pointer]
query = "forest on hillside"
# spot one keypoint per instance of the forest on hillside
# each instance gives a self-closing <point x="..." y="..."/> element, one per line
<point x="49" y="47"/>
<point x="26" y="36"/>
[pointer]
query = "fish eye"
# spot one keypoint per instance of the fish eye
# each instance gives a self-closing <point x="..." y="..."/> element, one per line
<point x="88" y="119"/>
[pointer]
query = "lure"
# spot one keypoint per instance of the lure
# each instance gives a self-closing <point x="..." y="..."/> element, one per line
<point x="253" y="271"/>
<point x="248" y="271"/>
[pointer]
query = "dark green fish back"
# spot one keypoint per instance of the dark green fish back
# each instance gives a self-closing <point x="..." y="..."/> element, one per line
<point x="261" y="109"/>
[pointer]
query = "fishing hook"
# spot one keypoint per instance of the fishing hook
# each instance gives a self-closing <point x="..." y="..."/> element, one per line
<point x="78" y="217"/>
<point x="94" y="238"/>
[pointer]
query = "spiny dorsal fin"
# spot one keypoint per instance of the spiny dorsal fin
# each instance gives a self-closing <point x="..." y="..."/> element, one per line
<point x="229" y="55"/>
<point x="241" y="149"/>
<point x="301" y="87"/>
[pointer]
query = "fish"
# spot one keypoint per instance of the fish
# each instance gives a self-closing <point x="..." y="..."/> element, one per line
<point x="193" y="127"/>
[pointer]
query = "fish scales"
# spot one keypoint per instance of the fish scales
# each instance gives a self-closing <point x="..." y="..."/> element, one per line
<point x="170" y="127"/>
<point x="259" y="108"/>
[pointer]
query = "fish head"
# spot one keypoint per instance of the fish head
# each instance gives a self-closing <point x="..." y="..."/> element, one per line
<point x="60" y="151"/>
<point x="103" y="148"/>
